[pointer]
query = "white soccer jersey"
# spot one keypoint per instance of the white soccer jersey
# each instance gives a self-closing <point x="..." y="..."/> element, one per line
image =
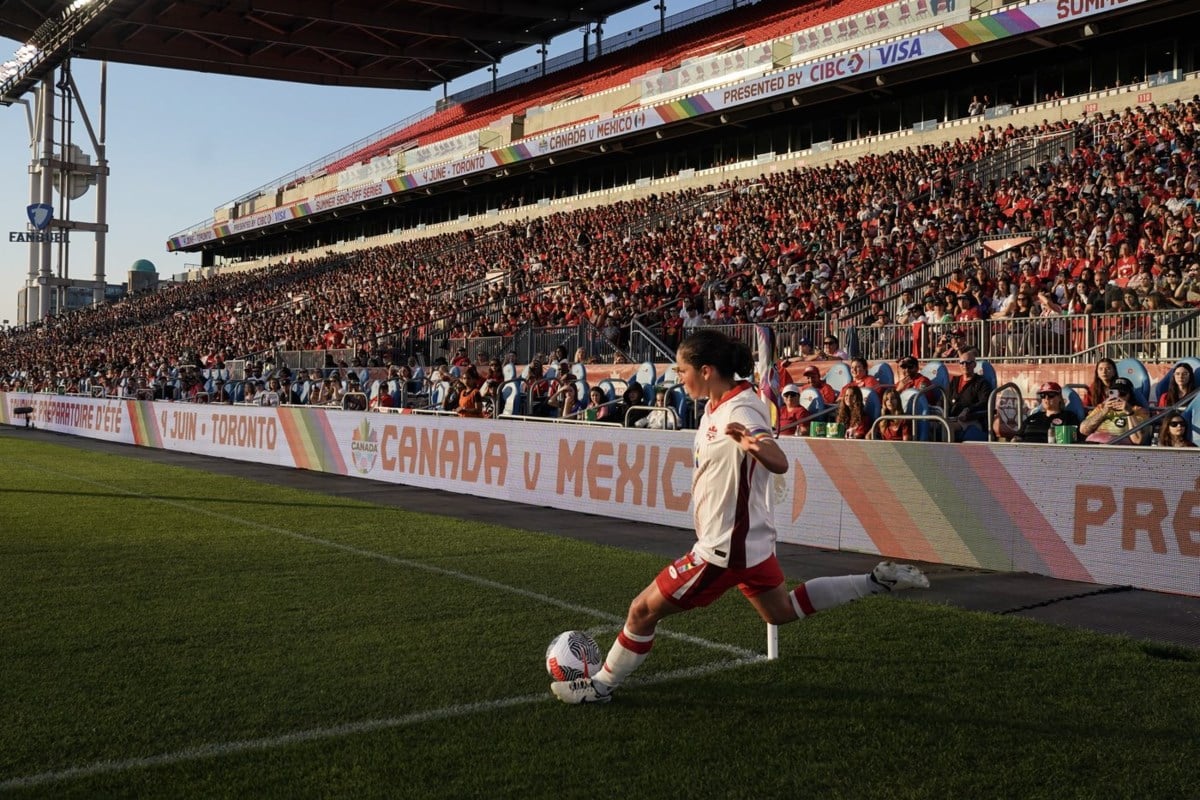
<point x="734" y="525"/>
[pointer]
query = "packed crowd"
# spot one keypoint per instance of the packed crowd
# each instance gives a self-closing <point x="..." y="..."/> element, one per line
<point x="1112" y="220"/>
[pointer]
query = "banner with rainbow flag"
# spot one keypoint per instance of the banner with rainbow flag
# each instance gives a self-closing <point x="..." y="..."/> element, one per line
<point x="1101" y="514"/>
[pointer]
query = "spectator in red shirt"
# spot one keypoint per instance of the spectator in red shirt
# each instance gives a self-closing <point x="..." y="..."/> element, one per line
<point x="911" y="378"/>
<point x="860" y="376"/>
<point x="792" y="412"/>
<point x="813" y="375"/>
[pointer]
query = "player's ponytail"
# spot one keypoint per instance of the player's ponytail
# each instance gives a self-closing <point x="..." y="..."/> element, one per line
<point x="729" y="357"/>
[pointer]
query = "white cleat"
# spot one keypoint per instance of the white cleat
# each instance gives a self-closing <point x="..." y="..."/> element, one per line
<point x="893" y="576"/>
<point x="582" y="690"/>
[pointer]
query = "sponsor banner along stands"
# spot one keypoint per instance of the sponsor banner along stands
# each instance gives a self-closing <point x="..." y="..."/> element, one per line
<point x="1111" y="515"/>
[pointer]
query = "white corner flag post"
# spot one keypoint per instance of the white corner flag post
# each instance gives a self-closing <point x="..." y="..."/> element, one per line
<point x="765" y="341"/>
<point x="774" y="497"/>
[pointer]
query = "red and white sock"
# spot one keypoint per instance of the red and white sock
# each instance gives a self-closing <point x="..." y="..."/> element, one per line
<point x="821" y="593"/>
<point x="627" y="653"/>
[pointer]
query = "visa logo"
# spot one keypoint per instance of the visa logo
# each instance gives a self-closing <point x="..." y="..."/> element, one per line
<point x="896" y="52"/>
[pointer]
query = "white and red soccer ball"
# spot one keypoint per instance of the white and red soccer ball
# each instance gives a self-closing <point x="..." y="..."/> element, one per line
<point x="573" y="655"/>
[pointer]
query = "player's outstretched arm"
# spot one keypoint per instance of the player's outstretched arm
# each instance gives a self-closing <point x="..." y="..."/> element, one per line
<point x="760" y="445"/>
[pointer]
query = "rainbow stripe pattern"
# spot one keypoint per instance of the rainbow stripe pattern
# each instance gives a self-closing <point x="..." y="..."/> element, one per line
<point x="311" y="440"/>
<point x="146" y="432"/>
<point x="684" y="108"/>
<point x="945" y="503"/>
<point x="989" y="29"/>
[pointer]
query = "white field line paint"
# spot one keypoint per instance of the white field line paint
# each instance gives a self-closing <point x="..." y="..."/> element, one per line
<point x="223" y="749"/>
<point x="738" y="652"/>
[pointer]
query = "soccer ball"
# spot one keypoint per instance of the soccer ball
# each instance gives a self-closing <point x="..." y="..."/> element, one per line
<point x="572" y="655"/>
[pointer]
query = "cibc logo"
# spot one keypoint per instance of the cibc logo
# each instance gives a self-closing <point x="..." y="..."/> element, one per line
<point x="40" y="216"/>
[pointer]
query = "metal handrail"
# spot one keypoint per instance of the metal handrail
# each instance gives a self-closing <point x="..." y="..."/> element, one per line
<point x="991" y="405"/>
<point x="631" y="409"/>
<point x="915" y="418"/>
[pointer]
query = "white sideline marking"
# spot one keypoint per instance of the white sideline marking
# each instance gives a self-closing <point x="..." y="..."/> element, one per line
<point x="739" y="652"/>
<point x="219" y="750"/>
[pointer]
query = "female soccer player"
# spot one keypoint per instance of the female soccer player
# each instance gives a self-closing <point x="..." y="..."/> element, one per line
<point x="735" y="533"/>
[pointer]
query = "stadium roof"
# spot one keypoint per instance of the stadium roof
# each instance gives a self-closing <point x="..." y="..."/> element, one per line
<point x="396" y="44"/>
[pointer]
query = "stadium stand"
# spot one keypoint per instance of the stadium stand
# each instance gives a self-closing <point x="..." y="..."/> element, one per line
<point x="1104" y="219"/>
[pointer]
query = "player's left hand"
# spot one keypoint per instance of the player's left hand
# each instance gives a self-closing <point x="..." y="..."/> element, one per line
<point x="738" y="432"/>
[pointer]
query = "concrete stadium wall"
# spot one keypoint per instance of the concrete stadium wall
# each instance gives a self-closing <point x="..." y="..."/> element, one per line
<point x="1108" y="515"/>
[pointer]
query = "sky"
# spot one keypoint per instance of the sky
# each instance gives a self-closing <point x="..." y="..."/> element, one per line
<point x="182" y="143"/>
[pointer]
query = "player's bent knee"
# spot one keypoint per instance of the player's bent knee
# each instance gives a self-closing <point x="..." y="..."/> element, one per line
<point x="640" y="613"/>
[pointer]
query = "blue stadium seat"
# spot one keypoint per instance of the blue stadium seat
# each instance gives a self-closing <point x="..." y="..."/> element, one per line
<point x="512" y="398"/>
<point x="811" y="400"/>
<point x="1192" y="415"/>
<point x="914" y="402"/>
<point x="677" y="399"/>
<point x="838" y="376"/>
<point x="509" y="371"/>
<point x="974" y="434"/>
<point x="579" y="371"/>
<point x="882" y="372"/>
<point x="1073" y="402"/>
<point x="1136" y="372"/>
<point x="937" y="373"/>
<point x="645" y="376"/>
<point x="871" y="402"/>
<point x="438" y="394"/>
<point x="988" y="372"/>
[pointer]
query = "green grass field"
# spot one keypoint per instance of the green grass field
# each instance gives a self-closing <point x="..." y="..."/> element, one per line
<point x="170" y="633"/>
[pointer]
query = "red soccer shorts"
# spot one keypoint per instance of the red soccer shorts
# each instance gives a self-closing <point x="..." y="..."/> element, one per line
<point x="691" y="582"/>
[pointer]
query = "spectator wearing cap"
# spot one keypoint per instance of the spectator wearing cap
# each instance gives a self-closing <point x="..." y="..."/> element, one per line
<point x="460" y="358"/>
<point x="910" y="314"/>
<point x="911" y="378"/>
<point x="968" y="308"/>
<point x="1116" y="415"/>
<point x="792" y="413"/>
<point x="1039" y="426"/>
<point x="968" y="397"/>
<point x="938" y="314"/>
<point x="807" y="351"/>
<point x="813" y="375"/>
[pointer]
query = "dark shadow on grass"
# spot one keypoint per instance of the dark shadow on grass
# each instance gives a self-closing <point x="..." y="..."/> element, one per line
<point x="181" y="498"/>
